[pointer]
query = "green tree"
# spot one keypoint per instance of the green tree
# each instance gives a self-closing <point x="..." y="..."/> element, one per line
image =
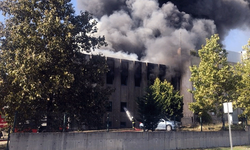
<point x="243" y="87"/>
<point x="88" y="98"/>
<point x="41" y="61"/>
<point x="160" y="101"/>
<point x="149" y="109"/>
<point x="169" y="99"/>
<point x="213" y="80"/>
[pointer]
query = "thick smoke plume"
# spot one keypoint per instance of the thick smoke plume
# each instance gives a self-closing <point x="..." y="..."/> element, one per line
<point x="155" y="30"/>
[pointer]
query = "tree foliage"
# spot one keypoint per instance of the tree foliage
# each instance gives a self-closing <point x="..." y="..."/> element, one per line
<point x="42" y="68"/>
<point x="149" y="109"/>
<point x="169" y="99"/>
<point x="213" y="80"/>
<point x="160" y="101"/>
<point x="243" y="87"/>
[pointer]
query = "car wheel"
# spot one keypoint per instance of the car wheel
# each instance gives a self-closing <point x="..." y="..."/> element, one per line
<point x="168" y="128"/>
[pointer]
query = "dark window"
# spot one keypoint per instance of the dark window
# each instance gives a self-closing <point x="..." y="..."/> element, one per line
<point x="110" y="124"/>
<point x="122" y="124"/>
<point x="111" y="73"/>
<point x="175" y="81"/>
<point x="124" y="72"/>
<point x="162" y="72"/>
<point x="109" y="107"/>
<point x="151" y="73"/>
<point x="138" y="75"/>
<point x="123" y="104"/>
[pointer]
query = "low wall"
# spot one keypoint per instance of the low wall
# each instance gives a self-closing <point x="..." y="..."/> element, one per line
<point x="126" y="140"/>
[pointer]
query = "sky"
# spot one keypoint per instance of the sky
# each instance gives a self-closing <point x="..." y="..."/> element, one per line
<point x="236" y="39"/>
<point x="233" y="41"/>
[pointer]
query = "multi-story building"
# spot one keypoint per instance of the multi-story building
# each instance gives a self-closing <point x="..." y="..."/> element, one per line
<point x="130" y="79"/>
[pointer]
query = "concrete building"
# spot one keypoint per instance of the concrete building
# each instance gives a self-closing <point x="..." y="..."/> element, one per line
<point x="234" y="57"/>
<point x="130" y="79"/>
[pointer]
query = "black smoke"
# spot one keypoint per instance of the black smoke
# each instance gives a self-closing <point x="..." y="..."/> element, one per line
<point x="101" y="7"/>
<point x="156" y="29"/>
<point x="227" y="14"/>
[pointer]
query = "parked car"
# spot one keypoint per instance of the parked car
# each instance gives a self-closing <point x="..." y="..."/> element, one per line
<point x="165" y="124"/>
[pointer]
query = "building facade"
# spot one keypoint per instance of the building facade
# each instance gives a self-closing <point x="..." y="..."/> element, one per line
<point x="130" y="80"/>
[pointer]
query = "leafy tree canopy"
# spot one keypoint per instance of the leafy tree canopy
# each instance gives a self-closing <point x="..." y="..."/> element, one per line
<point x="213" y="80"/>
<point x="160" y="101"/>
<point x="169" y="99"/>
<point x="149" y="110"/>
<point x="42" y="68"/>
<point x="243" y="87"/>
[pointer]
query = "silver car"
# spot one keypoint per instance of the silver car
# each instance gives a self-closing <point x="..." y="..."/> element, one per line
<point x="165" y="124"/>
<point x="168" y="125"/>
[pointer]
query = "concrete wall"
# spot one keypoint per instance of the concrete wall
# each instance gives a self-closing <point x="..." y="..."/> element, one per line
<point x="188" y="115"/>
<point x="126" y="140"/>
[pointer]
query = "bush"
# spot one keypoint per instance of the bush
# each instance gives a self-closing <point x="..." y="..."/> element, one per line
<point x="206" y="118"/>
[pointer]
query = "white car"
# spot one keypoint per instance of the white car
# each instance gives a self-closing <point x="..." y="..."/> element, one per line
<point x="166" y="124"/>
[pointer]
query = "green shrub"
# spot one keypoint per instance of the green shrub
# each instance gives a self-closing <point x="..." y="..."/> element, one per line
<point x="206" y="118"/>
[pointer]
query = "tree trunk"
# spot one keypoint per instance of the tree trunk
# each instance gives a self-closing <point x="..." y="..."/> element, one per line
<point x="49" y="113"/>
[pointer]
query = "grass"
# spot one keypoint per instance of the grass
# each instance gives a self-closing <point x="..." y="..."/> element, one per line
<point x="212" y="127"/>
<point x="227" y="148"/>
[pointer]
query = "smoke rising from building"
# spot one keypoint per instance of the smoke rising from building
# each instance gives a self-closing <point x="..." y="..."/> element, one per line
<point x="227" y="14"/>
<point x="156" y="29"/>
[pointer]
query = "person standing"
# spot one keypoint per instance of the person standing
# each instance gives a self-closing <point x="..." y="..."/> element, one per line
<point x="133" y="123"/>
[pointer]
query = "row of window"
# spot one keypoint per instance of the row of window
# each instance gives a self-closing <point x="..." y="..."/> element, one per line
<point x="123" y="72"/>
<point x="153" y="71"/>
<point x="122" y="105"/>
<point x="137" y="80"/>
<point x="122" y="124"/>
